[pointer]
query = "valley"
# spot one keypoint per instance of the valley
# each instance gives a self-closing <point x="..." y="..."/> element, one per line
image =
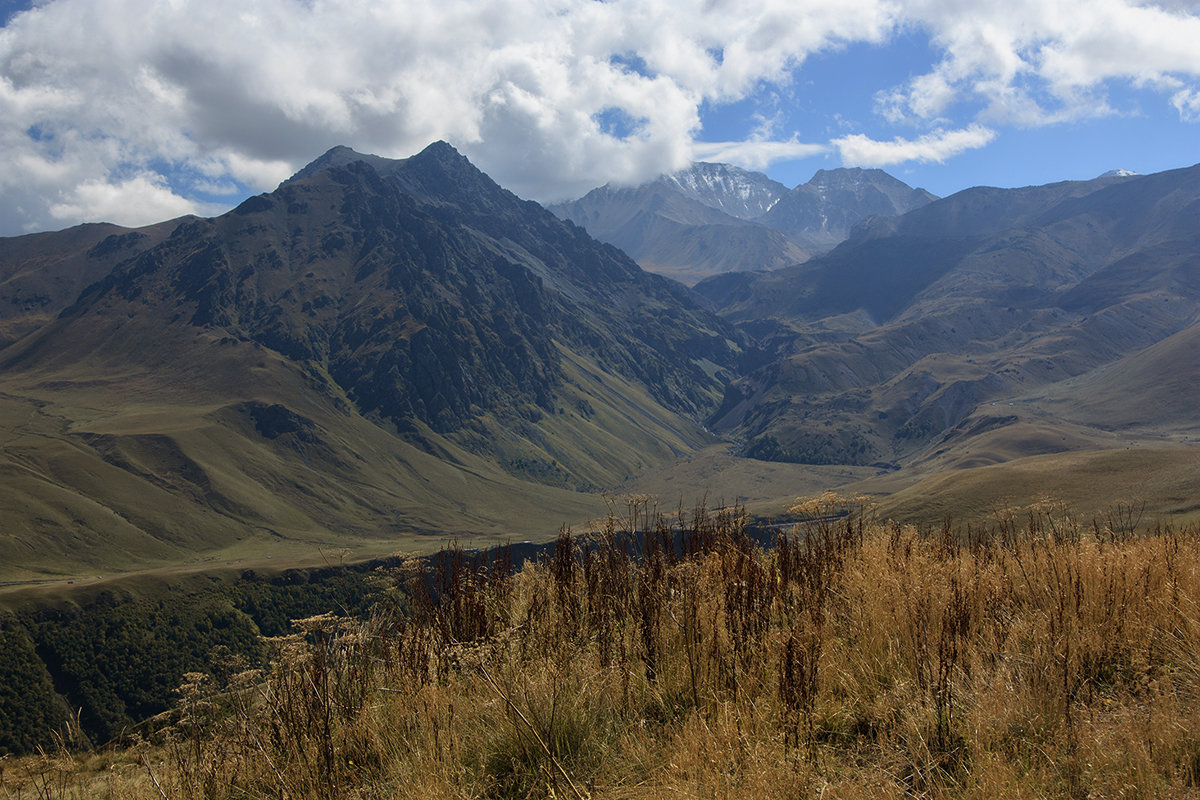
<point x="308" y="372"/>
<point x="991" y="328"/>
<point x="209" y="427"/>
<point x="383" y="355"/>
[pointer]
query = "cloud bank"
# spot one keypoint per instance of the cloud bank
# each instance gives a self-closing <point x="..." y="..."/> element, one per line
<point x="135" y="110"/>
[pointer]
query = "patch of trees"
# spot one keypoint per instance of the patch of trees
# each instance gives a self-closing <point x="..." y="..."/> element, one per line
<point x="842" y="447"/>
<point x="93" y="672"/>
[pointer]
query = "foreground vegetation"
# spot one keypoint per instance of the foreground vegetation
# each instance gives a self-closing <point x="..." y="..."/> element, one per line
<point x="1035" y="657"/>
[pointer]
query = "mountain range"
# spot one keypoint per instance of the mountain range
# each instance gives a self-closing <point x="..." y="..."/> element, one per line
<point x="382" y="353"/>
<point x="714" y="218"/>
<point x="374" y="349"/>
<point x="989" y="326"/>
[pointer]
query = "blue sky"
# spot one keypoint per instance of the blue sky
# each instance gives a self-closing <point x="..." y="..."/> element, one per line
<point x="133" y="111"/>
<point x="834" y="93"/>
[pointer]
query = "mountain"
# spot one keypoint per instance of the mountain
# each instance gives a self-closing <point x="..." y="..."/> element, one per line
<point x="992" y="325"/>
<point x="668" y="228"/>
<point x="735" y="191"/>
<point x="820" y="214"/>
<point x="382" y="353"/>
<point x="714" y="218"/>
<point x="42" y="273"/>
<point x="378" y="348"/>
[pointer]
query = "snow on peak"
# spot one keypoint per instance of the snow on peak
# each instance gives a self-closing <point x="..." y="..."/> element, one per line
<point x="736" y="191"/>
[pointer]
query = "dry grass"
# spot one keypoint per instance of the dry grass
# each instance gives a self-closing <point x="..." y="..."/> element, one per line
<point x="1034" y="657"/>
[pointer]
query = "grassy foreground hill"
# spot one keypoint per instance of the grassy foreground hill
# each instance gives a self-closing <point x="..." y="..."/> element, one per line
<point x="1033" y="657"/>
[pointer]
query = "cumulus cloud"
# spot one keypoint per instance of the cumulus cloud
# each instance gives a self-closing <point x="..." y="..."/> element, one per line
<point x="1035" y="62"/>
<point x="755" y="154"/>
<point x="859" y="150"/>
<point x="184" y="99"/>
<point x="140" y="200"/>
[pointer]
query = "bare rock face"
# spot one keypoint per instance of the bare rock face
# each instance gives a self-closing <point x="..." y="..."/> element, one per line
<point x="735" y="191"/>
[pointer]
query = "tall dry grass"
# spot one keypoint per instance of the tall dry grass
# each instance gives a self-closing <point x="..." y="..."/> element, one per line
<point x="1033" y="657"/>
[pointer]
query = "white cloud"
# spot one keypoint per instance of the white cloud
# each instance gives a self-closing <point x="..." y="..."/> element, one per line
<point x="862" y="151"/>
<point x="1188" y="104"/>
<point x="1036" y="62"/>
<point x="205" y="92"/>
<point x="755" y="154"/>
<point x="140" y="200"/>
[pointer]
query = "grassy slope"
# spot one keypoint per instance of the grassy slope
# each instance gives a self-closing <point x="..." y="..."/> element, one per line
<point x="1151" y="391"/>
<point x="111" y="469"/>
<point x="765" y="488"/>
<point x="1125" y="432"/>
<point x="1090" y="482"/>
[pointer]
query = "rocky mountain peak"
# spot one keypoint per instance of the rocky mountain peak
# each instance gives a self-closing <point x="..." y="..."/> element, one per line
<point x="820" y="214"/>
<point x="339" y="156"/>
<point x="735" y="191"/>
<point x="439" y="164"/>
<point x="439" y="172"/>
<point x="852" y="178"/>
<point x="441" y="157"/>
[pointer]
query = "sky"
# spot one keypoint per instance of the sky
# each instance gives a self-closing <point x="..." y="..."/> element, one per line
<point x="135" y="111"/>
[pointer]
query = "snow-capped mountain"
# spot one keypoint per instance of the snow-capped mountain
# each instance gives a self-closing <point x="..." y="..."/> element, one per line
<point x="667" y="230"/>
<point x="738" y="192"/>
<point x="714" y="218"/>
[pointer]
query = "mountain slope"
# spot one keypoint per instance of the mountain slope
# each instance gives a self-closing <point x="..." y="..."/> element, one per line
<point x="377" y="347"/>
<point x="1147" y="392"/>
<point x="735" y="191"/>
<point x="964" y="332"/>
<point x="42" y="273"/>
